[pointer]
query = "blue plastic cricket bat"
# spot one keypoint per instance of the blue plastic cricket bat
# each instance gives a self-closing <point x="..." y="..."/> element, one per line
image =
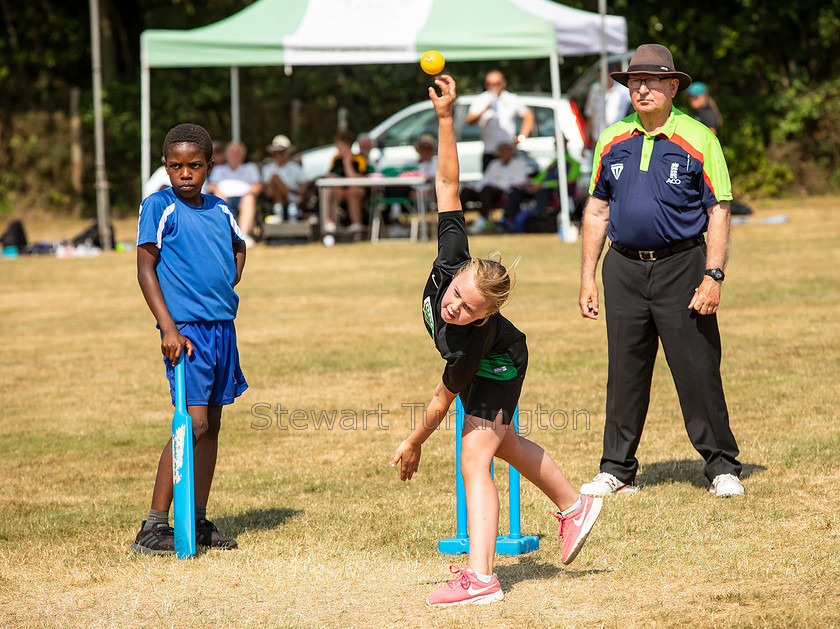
<point x="183" y="477"/>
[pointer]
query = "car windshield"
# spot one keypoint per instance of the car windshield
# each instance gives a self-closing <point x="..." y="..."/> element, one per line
<point x="543" y="122"/>
<point x="407" y="130"/>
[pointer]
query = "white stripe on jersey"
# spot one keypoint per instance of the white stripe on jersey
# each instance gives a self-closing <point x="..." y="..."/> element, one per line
<point x="233" y="222"/>
<point x="162" y="223"/>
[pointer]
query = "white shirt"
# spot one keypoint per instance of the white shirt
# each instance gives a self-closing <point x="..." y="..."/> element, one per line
<point x="428" y="168"/>
<point x="498" y="124"/>
<point x="616" y="106"/>
<point x="290" y="173"/>
<point x="235" y="182"/>
<point x="504" y="176"/>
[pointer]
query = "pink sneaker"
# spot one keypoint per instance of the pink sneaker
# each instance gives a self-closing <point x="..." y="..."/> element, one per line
<point x="576" y="526"/>
<point x="466" y="589"/>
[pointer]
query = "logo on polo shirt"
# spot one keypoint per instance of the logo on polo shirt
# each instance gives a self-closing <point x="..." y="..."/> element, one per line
<point x="675" y="171"/>
<point x="616" y="170"/>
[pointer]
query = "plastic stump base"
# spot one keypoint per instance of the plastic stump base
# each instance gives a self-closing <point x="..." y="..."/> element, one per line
<point x="516" y="545"/>
<point x="505" y="545"/>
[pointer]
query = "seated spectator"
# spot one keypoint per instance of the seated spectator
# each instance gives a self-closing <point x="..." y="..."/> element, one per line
<point x="542" y="190"/>
<point x="345" y="164"/>
<point x="283" y="179"/>
<point x="366" y="145"/>
<point x="238" y="183"/>
<point x="218" y="160"/>
<point x="426" y="146"/>
<point x="424" y="166"/>
<point x="502" y="175"/>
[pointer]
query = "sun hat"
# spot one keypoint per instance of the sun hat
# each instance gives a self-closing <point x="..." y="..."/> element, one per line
<point x="654" y="59"/>
<point x="697" y="89"/>
<point x="279" y="143"/>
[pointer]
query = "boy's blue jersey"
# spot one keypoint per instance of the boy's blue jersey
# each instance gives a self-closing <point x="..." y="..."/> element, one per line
<point x="196" y="268"/>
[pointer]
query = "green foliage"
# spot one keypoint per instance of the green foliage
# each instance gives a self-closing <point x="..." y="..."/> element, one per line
<point x="812" y="114"/>
<point x="753" y="172"/>
<point x="770" y="66"/>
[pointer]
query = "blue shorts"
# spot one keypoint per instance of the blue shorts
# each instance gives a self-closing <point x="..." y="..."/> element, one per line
<point x="212" y="375"/>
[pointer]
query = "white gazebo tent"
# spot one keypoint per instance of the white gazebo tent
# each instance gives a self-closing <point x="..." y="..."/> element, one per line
<point x="349" y="32"/>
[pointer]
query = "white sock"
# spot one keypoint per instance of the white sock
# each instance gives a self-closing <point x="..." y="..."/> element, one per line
<point x="484" y="578"/>
<point x="573" y="508"/>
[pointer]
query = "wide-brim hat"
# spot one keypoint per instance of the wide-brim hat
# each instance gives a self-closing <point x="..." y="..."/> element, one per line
<point x="280" y="143"/>
<point x="653" y="59"/>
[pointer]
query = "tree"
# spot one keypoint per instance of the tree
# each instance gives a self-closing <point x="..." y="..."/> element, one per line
<point x="770" y="65"/>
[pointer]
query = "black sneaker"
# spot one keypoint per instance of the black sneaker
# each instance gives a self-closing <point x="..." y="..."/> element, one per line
<point x="157" y="540"/>
<point x="206" y="534"/>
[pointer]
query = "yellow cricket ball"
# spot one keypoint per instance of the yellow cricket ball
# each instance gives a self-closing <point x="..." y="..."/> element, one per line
<point x="432" y="62"/>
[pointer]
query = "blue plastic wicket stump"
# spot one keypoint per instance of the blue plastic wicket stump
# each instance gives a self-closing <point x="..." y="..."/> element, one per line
<point x="512" y="544"/>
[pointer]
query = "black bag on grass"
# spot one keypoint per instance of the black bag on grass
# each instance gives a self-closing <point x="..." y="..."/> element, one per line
<point x="15" y="236"/>
<point x="90" y="237"/>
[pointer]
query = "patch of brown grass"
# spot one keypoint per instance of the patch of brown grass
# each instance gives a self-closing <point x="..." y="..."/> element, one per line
<point x="328" y="536"/>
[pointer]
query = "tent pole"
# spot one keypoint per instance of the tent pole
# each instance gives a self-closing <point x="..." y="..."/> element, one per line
<point x="605" y="80"/>
<point x="560" y="147"/>
<point x="103" y="203"/>
<point x="145" y="117"/>
<point x="235" y="134"/>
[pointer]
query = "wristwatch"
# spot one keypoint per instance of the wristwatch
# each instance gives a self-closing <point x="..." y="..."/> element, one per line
<point x="716" y="274"/>
<point x="521" y="137"/>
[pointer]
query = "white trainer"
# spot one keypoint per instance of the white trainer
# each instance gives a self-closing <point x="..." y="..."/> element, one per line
<point x="605" y="484"/>
<point x="725" y="485"/>
<point x="479" y="226"/>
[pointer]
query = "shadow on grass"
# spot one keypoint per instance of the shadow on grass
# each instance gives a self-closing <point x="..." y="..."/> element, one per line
<point x="684" y="471"/>
<point x="529" y="569"/>
<point x="256" y="520"/>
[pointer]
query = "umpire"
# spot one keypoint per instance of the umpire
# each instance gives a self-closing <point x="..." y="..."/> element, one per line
<point x="659" y="181"/>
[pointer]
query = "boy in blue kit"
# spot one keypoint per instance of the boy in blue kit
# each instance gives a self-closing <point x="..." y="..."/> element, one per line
<point x="190" y="255"/>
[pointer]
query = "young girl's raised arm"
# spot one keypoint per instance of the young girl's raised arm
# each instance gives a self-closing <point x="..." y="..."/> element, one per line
<point x="447" y="178"/>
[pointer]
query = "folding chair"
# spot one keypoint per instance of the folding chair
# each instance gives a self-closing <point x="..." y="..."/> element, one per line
<point x="382" y="200"/>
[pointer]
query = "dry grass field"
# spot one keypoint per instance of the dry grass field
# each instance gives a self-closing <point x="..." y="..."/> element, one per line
<point x="328" y="535"/>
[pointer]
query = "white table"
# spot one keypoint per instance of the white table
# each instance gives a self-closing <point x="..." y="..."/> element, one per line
<point x="377" y="185"/>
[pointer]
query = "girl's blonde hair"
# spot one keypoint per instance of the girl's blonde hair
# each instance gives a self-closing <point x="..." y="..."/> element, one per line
<point x="492" y="280"/>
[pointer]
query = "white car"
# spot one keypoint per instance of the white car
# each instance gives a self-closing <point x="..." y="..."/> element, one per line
<point x="394" y="138"/>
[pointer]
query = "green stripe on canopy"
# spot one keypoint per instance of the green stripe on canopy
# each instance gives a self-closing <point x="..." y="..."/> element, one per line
<point x="462" y="30"/>
<point x="251" y="37"/>
<point x="490" y="29"/>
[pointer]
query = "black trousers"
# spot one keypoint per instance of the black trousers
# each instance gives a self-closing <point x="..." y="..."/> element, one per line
<point x="490" y="197"/>
<point x="647" y="302"/>
<point x="486" y="158"/>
